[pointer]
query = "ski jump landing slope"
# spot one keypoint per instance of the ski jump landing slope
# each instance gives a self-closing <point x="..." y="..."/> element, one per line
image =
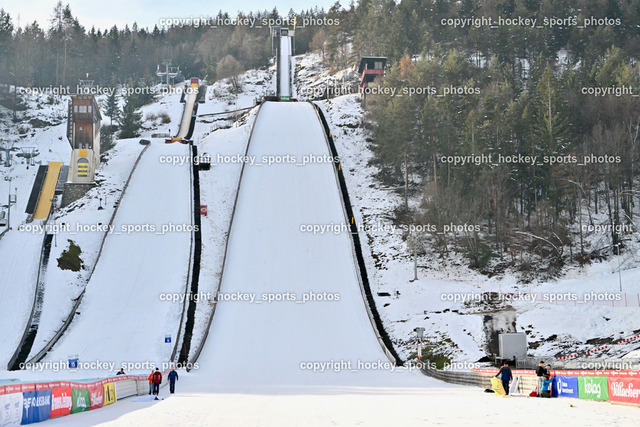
<point x="122" y="317"/>
<point x="18" y="274"/>
<point x="270" y="257"/>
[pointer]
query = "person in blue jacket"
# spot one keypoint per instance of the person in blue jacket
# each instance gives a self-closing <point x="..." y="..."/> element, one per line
<point x="547" y="386"/>
<point x="505" y="376"/>
<point x="173" y="377"/>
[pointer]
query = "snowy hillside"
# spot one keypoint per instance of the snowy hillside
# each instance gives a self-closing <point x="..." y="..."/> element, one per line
<point x="577" y="313"/>
<point x="449" y="300"/>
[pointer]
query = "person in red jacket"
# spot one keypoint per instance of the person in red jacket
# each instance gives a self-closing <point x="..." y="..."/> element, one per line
<point x="157" y="380"/>
<point x="150" y="377"/>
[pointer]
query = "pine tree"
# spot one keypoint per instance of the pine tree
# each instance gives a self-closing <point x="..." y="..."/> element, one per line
<point x="131" y="118"/>
<point x="113" y="106"/>
<point x="6" y="36"/>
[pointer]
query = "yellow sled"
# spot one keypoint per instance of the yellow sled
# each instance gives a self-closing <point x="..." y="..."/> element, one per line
<point x="496" y="386"/>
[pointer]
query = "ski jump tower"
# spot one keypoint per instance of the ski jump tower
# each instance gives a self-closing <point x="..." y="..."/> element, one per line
<point x="83" y="133"/>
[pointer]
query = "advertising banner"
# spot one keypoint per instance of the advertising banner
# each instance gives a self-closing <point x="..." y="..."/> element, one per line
<point x="594" y="388"/>
<point x="61" y="401"/>
<point x="36" y="406"/>
<point x="109" y="394"/>
<point x="596" y="373"/>
<point x="624" y="390"/>
<point x="11" y="410"/>
<point x="565" y="386"/>
<point x="96" y="392"/>
<point x="81" y="400"/>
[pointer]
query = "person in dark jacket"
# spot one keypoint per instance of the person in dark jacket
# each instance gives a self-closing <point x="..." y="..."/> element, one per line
<point x="120" y="372"/>
<point x="157" y="380"/>
<point x="173" y="377"/>
<point x="505" y="376"/>
<point x="541" y="372"/>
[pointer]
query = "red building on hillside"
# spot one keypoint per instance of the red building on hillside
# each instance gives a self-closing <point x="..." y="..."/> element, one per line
<point x="370" y="68"/>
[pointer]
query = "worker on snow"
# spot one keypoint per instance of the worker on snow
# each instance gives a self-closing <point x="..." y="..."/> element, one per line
<point x="541" y="372"/>
<point x="505" y="376"/>
<point x="547" y="383"/>
<point x="157" y="380"/>
<point x="150" y="377"/>
<point x="173" y="377"/>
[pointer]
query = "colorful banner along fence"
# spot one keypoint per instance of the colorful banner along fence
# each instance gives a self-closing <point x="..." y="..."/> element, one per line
<point x="61" y="401"/>
<point x="565" y="386"/>
<point x="96" y="396"/>
<point x="593" y="388"/>
<point x="81" y="400"/>
<point x="27" y="403"/>
<point x="109" y="394"/>
<point x="612" y="386"/>
<point x="36" y="406"/>
<point x="624" y="390"/>
<point x="11" y="409"/>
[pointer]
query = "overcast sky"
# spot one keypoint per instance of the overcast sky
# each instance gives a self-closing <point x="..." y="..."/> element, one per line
<point x="147" y="13"/>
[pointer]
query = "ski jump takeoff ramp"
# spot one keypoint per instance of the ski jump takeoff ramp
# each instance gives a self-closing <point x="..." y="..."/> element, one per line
<point x="189" y="105"/>
<point x="48" y="189"/>
<point x="290" y="299"/>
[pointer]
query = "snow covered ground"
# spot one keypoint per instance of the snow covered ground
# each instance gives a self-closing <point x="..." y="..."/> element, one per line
<point x="223" y="139"/>
<point x="83" y="223"/>
<point x="218" y="186"/>
<point x="313" y="363"/>
<point x="144" y="262"/>
<point x="263" y="355"/>
<point x="249" y="342"/>
<point x="447" y="299"/>
<point x="18" y="264"/>
<point x="431" y="403"/>
<point x="43" y="131"/>
<point x="303" y="298"/>
<point x="221" y="98"/>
